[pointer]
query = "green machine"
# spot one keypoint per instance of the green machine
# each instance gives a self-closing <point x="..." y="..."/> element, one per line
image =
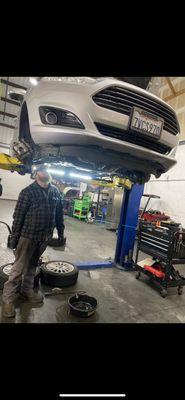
<point x="82" y="207"/>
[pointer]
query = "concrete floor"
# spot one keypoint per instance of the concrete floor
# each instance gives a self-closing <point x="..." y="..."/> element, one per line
<point x="121" y="298"/>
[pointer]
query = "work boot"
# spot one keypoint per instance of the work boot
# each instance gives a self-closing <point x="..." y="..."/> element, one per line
<point x="32" y="296"/>
<point x="8" y="310"/>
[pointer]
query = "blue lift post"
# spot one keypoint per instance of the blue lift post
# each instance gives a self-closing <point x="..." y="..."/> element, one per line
<point x="127" y="226"/>
<point x="126" y="232"/>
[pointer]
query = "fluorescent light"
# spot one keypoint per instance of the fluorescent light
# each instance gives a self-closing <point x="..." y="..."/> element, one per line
<point x="55" y="171"/>
<point x="93" y="395"/>
<point x="106" y="178"/>
<point x="33" y="81"/>
<point x="86" y="177"/>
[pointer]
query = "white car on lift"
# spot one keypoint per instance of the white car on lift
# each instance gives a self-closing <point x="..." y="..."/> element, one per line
<point x="102" y="124"/>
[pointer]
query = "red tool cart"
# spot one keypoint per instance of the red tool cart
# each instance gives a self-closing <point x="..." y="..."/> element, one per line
<point x="152" y="215"/>
<point x="166" y="245"/>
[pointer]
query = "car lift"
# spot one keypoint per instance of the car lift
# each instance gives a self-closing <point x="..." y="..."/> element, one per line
<point x="12" y="164"/>
<point x="128" y="218"/>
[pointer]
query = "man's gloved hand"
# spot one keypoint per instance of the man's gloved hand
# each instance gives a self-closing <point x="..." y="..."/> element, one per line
<point x="12" y="242"/>
<point x="62" y="239"/>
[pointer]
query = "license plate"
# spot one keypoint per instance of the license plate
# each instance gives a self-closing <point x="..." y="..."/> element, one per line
<point x="146" y="123"/>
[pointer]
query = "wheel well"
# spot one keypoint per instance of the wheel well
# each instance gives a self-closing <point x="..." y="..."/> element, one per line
<point x="24" y="126"/>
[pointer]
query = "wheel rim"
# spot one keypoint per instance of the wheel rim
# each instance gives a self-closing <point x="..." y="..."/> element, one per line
<point x="7" y="269"/>
<point x="60" y="267"/>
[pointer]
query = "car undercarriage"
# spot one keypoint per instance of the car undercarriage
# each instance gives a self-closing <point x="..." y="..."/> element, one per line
<point x="89" y="158"/>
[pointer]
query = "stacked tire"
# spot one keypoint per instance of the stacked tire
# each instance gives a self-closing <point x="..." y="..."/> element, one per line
<point x="59" y="273"/>
<point x="5" y="271"/>
<point x="52" y="273"/>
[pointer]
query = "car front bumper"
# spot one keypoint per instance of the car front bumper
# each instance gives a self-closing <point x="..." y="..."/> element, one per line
<point x="70" y="137"/>
<point x="83" y="106"/>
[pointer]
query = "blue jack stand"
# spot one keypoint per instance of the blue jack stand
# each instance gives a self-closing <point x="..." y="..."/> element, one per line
<point x="127" y="226"/>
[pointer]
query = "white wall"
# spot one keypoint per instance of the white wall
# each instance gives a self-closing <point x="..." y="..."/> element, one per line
<point x="13" y="183"/>
<point x="4" y="150"/>
<point x="171" y="189"/>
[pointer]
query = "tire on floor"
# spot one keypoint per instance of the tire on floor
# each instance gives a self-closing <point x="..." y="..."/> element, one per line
<point x="59" y="273"/>
<point x="5" y="271"/>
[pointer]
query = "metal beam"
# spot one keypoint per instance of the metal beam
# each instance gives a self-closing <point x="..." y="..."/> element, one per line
<point x="8" y="114"/>
<point x="5" y="100"/>
<point x="7" y="125"/>
<point x="4" y="145"/>
<point x="12" y="84"/>
<point x="15" y="103"/>
<point x="182" y="91"/>
<point x="171" y="86"/>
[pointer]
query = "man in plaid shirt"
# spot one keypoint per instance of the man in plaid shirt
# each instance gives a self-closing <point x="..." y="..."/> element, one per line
<point x="38" y="211"/>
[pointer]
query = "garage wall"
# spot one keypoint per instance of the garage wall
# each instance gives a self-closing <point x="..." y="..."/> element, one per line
<point x="160" y="87"/>
<point x="171" y="188"/>
<point x="4" y="150"/>
<point x="178" y="102"/>
<point x="13" y="183"/>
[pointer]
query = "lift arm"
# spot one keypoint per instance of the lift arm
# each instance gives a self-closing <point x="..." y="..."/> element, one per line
<point x="121" y="182"/>
<point x="12" y="164"/>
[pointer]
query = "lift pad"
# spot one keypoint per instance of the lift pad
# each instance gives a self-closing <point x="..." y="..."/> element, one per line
<point x="121" y="182"/>
<point x="11" y="164"/>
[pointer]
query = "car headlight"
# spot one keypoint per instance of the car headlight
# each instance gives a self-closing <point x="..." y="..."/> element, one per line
<point x="59" y="117"/>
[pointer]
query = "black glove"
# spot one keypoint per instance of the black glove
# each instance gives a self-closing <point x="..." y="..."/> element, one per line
<point x="12" y="242"/>
<point x="62" y="239"/>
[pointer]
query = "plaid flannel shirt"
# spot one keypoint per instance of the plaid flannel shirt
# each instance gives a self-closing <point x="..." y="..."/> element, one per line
<point x="37" y="213"/>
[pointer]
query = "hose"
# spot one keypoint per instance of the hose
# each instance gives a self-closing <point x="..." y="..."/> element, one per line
<point x="2" y="266"/>
<point x="8" y="227"/>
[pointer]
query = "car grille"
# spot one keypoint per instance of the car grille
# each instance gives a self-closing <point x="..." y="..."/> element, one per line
<point x="122" y="100"/>
<point x="131" y="137"/>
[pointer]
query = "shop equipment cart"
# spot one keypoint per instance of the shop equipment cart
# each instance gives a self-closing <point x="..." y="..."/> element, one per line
<point x="82" y="207"/>
<point x="166" y="245"/>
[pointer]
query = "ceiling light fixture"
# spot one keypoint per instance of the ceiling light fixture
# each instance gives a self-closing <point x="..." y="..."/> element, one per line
<point x="86" y="177"/>
<point x="33" y="81"/>
<point x="55" y="171"/>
